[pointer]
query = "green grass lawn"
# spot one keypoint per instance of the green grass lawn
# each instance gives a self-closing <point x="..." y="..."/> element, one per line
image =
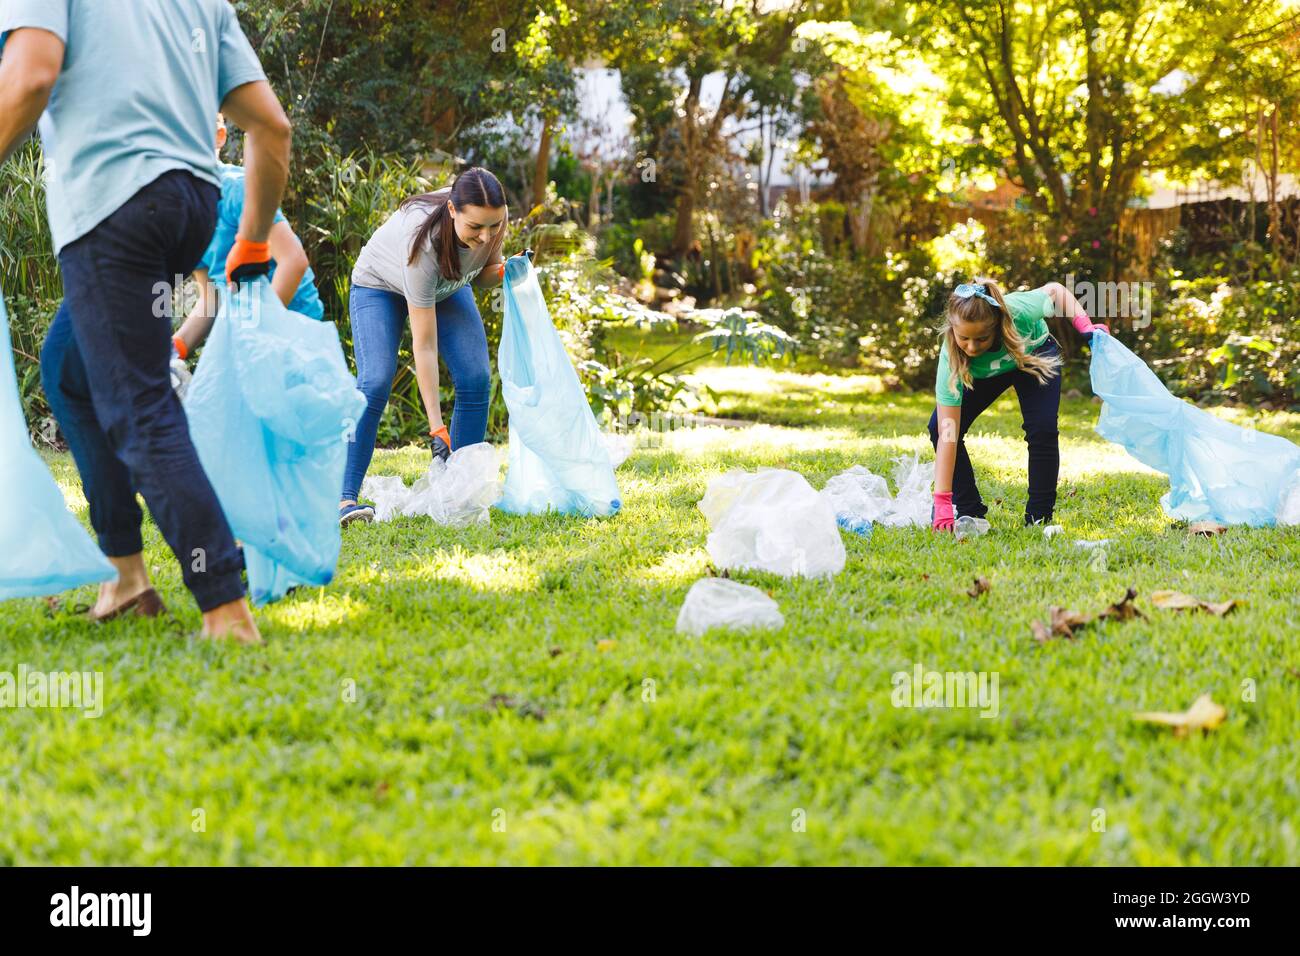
<point x="493" y="722"/>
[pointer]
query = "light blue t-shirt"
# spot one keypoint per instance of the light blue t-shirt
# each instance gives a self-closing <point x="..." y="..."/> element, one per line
<point x="141" y="83"/>
<point x="231" y="207"/>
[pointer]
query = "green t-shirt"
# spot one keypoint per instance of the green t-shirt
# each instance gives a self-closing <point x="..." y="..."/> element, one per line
<point x="1029" y="311"/>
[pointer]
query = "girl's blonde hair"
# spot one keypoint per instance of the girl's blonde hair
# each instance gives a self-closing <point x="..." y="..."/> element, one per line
<point x="982" y="312"/>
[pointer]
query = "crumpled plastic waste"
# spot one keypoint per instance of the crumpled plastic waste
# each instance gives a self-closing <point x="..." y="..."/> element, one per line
<point x="1217" y="471"/>
<point x="618" y="446"/>
<point x="771" y="520"/>
<point x="458" y="492"/>
<point x="1090" y="545"/>
<point x="181" y="377"/>
<point x="43" y="547"/>
<point x="1052" y="530"/>
<point x="857" y="495"/>
<point x="1289" y="510"/>
<point x="720" y="603"/>
<point x="968" y="526"/>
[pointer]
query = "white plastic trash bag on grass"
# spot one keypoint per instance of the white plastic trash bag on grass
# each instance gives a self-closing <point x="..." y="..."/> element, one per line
<point x="457" y="492"/>
<point x="771" y="520"/>
<point x="857" y="495"/>
<point x="718" y="602"/>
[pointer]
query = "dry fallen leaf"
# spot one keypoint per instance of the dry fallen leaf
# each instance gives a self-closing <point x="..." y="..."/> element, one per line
<point x="1124" y="609"/>
<point x="1064" y="622"/>
<point x="606" y="645"/>
<point x="981" y="586"/>
<point x="1204" y="714"/>
<point x="1061" y="623"/>
<point x="1178" y="601"/>
<point x="1206" y="528"/>
<point x="556" y="651"/>
<point x="524" y="708"/>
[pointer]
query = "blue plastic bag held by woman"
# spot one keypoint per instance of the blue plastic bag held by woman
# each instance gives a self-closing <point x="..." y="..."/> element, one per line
<point x="43" y="548"/>
<point x="557" y="460"/>
<point x="271" y="408"/>
<point x="1217" y="471"/>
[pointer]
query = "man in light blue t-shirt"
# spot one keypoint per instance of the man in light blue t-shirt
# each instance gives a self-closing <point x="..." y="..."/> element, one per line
<point x="124" y="94"/>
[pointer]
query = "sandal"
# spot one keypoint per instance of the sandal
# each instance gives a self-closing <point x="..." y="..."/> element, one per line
<point x="145" y="604"/>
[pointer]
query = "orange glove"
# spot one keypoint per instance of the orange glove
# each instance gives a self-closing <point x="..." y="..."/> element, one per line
<point x="247" y="260"/>
<point x="182" y="350"/>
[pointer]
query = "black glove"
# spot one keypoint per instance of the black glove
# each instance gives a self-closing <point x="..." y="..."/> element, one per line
<point x="440" y="445"/>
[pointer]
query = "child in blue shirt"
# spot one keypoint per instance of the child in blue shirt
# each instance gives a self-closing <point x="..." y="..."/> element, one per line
<point x="291" y="274"/>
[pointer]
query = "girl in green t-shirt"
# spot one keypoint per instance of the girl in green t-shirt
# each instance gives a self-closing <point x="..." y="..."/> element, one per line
<point x="993" y="342"/>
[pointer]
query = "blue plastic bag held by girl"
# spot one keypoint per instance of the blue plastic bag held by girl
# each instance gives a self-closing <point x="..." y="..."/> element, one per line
<point x="1217" y="471"/>
<point x="557" y="460"/>
<point x="43" y="548"/>
<point x="271" y="408"/>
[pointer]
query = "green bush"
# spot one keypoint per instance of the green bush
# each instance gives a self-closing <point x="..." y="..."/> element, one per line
<point x="1214" y="341"/>
<point x="29" y="275"/>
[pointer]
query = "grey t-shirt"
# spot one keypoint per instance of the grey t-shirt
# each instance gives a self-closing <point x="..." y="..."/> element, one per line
<point x="385" y="264"/>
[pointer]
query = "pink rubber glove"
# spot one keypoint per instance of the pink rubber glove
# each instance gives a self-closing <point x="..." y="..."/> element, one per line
<point x="943" y="516"/>
<point x="1084" y="325"/>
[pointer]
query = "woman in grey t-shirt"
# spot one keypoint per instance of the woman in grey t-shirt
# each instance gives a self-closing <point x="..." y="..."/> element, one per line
<point x="418" y="265"/>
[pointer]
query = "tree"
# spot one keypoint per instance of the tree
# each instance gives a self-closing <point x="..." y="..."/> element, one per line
<point x="1073" y="100"/>
<point x="666" y="53"/>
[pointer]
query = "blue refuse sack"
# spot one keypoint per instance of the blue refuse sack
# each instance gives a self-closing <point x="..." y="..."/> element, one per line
<point x="272" y="407"/>
<point x="1217" y="471"/>
<point x="557" y="460"/>
<point x="43" y="548"/>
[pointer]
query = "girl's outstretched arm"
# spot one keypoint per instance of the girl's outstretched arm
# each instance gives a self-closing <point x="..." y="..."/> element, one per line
<point x="194" y="330"/>
<point x="1068" y="306"/>
<point x="945" y="459"/>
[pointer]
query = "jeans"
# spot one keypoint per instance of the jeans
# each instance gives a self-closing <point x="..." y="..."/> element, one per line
<point x="1039" y="404"/>
<point x="104" y="367"/>
<point x="378" y="320"/>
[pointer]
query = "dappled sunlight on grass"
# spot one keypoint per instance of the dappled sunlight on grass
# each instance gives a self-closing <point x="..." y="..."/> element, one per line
<point x="313" y="608"/>
<point x="764" y="380"/>
<point x="494" y="570"/>
<point x="677" y="568"/>
<point x="498" y="571"/>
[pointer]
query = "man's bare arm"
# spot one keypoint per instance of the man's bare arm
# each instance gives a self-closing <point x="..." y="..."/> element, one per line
<point x="32" y="62"/>
<point x="254" y="109"/>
